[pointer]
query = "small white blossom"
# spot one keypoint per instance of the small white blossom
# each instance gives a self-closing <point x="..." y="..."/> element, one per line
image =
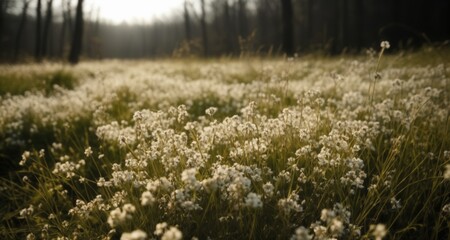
<point x="253" y="200"/>
<point x="31" y="236"/>
<point x="160" y="228"/>
<point x="378" y="231"/>
<point x="268" y="189"/>
<point x="172" y="234"/>
<point x="135" y="235"/>
<point x="446" y="209"/>
<point x="129" y="208"/>
<point x="25" y="156"/>
<point x="385" y="45"/>
<point x="211" y="111"/>
<point x="88" y="152"/>
<point x="447" y="172"/>
<point x="147" y="198"/>
<point x="395" y="203"/>
<point x="302" y="233"/>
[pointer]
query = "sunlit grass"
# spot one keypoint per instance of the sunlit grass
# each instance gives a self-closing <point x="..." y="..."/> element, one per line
<point x="230" y="149"/>
<point x="17" y="82"/>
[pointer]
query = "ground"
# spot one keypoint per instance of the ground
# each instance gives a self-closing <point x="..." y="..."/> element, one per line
<point x="349" y="147"/>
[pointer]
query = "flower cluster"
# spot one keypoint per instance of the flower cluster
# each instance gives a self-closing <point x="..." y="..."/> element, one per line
<point x="300" y="150"/>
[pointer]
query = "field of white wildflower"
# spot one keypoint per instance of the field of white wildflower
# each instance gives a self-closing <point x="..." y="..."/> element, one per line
<point x="304" y="148"/>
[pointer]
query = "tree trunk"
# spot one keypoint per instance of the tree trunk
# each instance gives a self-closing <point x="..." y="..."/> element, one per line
<point x="242" y="18"/>
<point x="187" y="22"/>
<point x="204" y="31"/>
<point x="342" y="25"/>
<point x="75" y="50"/>
<point x="69" y="19"/>
<point x="62" y="38"/>
<point x="37" y="49"/>
<point x="228" y="29"/>
<point x="48" y="22"/>
<point x="2" y="16"/>
<point x="4" y="5"/>
<point x="22" y="23"/>
<point x="309" y="24"/>
<point x="288" y="28"/>
<point x="359" y="25"/>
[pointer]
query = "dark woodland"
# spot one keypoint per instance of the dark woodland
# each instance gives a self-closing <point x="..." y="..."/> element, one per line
<point x="211" y="28"/>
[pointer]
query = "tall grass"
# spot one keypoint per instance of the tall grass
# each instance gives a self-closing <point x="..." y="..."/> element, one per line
<point x="17" y="83"/>
<point x="266" y="149"/>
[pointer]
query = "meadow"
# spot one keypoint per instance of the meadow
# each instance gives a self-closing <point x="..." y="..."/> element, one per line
<point x="348" y="147"/>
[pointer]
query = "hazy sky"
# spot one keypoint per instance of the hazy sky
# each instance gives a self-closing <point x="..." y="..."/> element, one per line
<point x="116" y="11"/>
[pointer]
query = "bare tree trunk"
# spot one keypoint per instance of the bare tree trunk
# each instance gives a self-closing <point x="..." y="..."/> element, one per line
<point x="242" y="18"/>
<point x="187" y="21"/>
<point x="48" y="22"/>
<point x="23" y="21"/>
<point x="342" y="25"/>
<point x="62" y="38"/>
<point x="288" y="28"/>
<point x="4" y="5"/>
<point x="309" y="24"/>
<point x="228" y="29"/>
<point x="2" y="17"/>
<point x="69" y="18"/>
<point x="359" y="24"/>
<point x="75" y="50"/>
<point x="204" y="31"/>
<point x="37" y="49"/>
<point x="2" y="14"/>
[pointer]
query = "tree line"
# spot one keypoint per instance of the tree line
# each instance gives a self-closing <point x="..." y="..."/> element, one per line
<point x="220" y="27"/>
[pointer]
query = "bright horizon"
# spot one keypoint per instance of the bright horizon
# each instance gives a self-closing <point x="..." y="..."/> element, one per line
<point x="133" y="11"/>
<point x="114" y="11"/>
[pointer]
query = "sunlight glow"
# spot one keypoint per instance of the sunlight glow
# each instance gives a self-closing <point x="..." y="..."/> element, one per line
<point x="132" y="11"/>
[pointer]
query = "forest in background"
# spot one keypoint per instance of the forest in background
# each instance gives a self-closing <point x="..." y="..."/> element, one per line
<point x="223" y="28"/>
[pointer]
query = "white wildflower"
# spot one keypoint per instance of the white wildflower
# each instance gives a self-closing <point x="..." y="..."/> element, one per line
<point x="446" y="209"/>
<point x="25" y="179"/>
<point x="160" y="228"/>
<point x="336" y="227"/>
<point x="253" y="200"/>
<point x="268" y="189"/>
<point x="287" y="205"/>
<point x="211" y="111"/>
<point x="378" y="231"/>
<point x="302" y="233"/>
<point x="25" y="156"/>
<point x="172" y="234"/>
<point x="129" y="208"/>
<point x="116" y="216"/>
<point x="447" y="172"/>
<point x="135" y="235"/>
<point x="188" y="177"/>
<point x="395" y="203"/>
<point x="31" y="236"/>
<point x="385" y="45"/>
<point x="147" y="198"/>
<point x="320" y="231"/>
<point x="88" y="152"/>
<point x="327" y="215"/>
<point x="27" y="211"/>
